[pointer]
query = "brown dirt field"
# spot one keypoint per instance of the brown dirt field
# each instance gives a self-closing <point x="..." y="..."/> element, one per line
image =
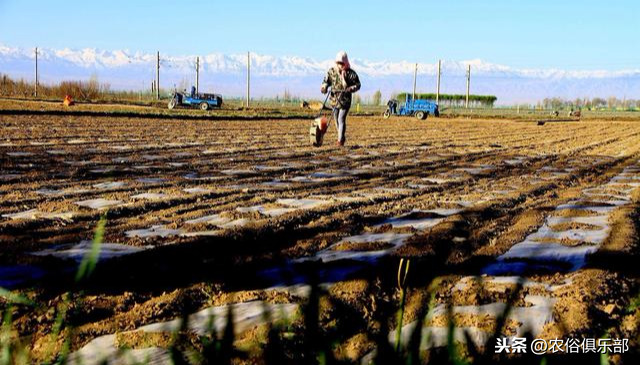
<point x="213" y="206"/>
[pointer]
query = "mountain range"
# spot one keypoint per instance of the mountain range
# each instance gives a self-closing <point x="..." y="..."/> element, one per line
<point x="301" y="76"/>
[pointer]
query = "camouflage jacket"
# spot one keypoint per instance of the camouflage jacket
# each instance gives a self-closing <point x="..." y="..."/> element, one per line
<point x="339" y="97"/>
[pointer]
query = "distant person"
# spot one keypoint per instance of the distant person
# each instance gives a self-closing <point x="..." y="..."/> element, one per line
<point x="343" y="82"/>
<point x="393" y="106"/>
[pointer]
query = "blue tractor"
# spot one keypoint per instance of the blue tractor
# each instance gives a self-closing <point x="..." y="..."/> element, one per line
<point x="195" y="100"/>
<point x="420" y="109"/>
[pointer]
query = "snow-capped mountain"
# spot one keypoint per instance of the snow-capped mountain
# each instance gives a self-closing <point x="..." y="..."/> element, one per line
<point x="271" y="75"/>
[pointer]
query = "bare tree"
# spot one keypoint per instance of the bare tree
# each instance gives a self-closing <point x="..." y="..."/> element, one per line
<point x="598" y="102"/>
<point x="357" y="99"/>
<point x="184" y="84"/>
<point x="578" y="103"/>
<point x="377" y="98"/>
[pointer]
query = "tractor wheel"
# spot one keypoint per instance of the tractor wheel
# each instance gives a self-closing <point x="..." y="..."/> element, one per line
<point x="421" y="115"/>
<point x="172" y="103"/>
<point x="387" y="114"/>
<point x="204" y="106"/>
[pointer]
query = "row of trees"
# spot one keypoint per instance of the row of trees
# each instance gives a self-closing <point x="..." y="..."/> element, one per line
<point x="595" y="103"/>
<point x="455" y="100"/>
<point x="451" y="100"/>
<point x="90" y="90"/>
<point x="375" y="99"/>
<point x="83" y="90"/>
<point x="93" y="89"/>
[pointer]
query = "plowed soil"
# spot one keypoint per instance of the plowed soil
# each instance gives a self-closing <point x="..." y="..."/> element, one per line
<point x="210" y="213"/>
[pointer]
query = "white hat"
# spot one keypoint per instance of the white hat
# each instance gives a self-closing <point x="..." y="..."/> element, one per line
<point x="342" y="57"/>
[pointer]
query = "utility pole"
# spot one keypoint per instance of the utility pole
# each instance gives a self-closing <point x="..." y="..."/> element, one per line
<point x="438" y="83"/>
<point x="248" y="76"/>
<point x="466" y="104"/>
<point x="415" y="74"/>
<point x="158" y="76"/>
<point x="197" y="74"/>
<point x="36" y="82"/>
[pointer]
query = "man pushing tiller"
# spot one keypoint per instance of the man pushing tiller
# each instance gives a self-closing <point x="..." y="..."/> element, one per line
<point x="343" y="81"/>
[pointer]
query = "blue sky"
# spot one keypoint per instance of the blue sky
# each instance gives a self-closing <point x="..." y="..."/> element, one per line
<point x="573" y="35"/>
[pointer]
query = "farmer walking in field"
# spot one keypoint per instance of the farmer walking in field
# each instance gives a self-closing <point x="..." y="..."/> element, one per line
<point x="343" y="81"/>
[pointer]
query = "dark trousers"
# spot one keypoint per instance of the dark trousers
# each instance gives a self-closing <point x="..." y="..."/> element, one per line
<point x="340" y="116"/>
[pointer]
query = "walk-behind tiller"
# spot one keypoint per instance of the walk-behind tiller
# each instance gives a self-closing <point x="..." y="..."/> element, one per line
<point x="320" y="124"/>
